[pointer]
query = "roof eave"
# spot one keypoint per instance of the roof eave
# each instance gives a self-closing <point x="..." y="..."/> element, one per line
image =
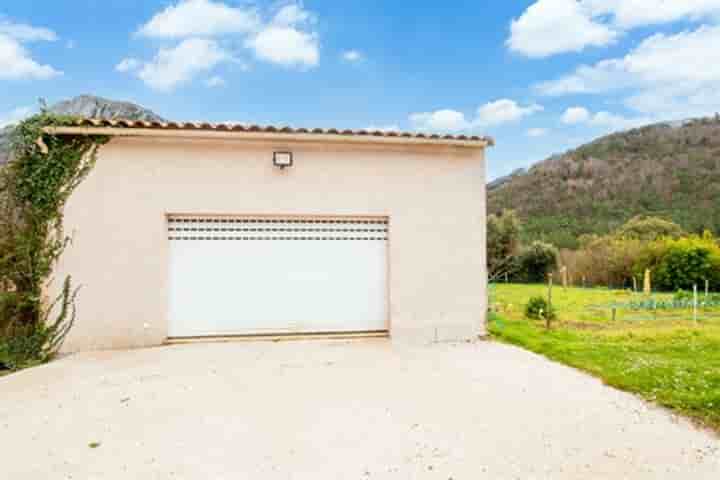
<point x="367" y="138"/>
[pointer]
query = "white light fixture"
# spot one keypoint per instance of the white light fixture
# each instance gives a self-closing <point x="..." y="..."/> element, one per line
<point x="283" y="160"/>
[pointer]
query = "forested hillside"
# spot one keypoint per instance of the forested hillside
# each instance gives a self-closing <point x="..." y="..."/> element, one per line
<point x="667" y="170"/>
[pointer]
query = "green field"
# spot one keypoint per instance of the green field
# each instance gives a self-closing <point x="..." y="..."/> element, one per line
<point x="663" y="356"/>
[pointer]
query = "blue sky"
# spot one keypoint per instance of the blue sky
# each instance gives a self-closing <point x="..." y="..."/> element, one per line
<point x="540" y="76"/>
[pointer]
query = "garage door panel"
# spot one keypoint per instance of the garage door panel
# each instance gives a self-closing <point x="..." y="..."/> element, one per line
<point x="278" y="277"/>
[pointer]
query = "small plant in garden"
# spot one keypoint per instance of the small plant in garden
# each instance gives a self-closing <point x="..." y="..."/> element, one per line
<point x="537" y="308"/>
<point x="35" y="185"/>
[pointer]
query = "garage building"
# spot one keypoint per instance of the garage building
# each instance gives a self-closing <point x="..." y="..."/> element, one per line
<point x="198" y="231"/>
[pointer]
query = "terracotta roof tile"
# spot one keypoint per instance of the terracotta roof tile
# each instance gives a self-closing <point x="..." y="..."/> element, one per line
<point x="238" y="127"/>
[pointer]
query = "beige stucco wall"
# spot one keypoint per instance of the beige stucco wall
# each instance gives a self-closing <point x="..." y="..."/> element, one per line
<point x="434" y="196"/>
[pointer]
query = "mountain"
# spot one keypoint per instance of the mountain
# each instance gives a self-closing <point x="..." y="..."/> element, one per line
<point x="668" y="169"/>
<point x="87" y="106"/>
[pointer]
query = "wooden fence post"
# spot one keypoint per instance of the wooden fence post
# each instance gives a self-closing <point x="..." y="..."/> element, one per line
<point x="548" y="315"/>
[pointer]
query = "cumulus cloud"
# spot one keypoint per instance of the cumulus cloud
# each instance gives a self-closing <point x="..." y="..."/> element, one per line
<point x="491" y="114"/>
<point x="628" y="14"/>
<point x="14" y="116"/>
<point x="16" y="62"/>
<point x="605" y="120"/>
<point x="440" y="120"/>
<point x="550" y="27"/>
<point x="293" y="14"/>
<point x="26" y="33"/>
<point x="575" y="115"/>
<point x="288" y="39"/>
<point x="616" y="122"/>
<point x="200" y="18"/>
<point x="175" y="66"/>
<point x="666" y="74"/>
<point x="286" y="46"/>
<point x="503" y="111"/>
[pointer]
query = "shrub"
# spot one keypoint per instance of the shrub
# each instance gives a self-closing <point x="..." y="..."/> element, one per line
<point x="26" y="345"/>
<point x="536" y="261"/>
<point x="680" y="264"/>
<point x="537" y="308"/>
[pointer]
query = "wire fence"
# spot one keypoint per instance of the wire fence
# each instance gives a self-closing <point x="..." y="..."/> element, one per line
<point x="658" y="306"/>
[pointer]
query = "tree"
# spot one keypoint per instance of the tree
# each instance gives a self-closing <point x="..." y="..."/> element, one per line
<point x="536" y="261"/>
<point x="649" y="228"/>
<point x="503" y="243"/>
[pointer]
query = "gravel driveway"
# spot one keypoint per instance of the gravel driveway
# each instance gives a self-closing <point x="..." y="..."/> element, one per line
<point x="332" y="410"/>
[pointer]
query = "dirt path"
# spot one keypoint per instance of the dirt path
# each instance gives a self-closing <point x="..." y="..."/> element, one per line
<point x="317" y="410"/>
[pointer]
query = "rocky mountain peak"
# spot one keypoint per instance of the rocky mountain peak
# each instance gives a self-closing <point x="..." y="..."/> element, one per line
<point x="88" y="106"/>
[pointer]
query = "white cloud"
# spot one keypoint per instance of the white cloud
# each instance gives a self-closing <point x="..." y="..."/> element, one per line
<point x="503" y="111"/>
<point x="491" y="114"/>
<point x="175" y="66"/>
<point x="288" y="39"/>
<point x="16" y="63"/>
<point x="215" y="82"/>
<point x="548" y="27"/>
<point x="605" y="120"/>
<point x="15" y="116"/>
<point x="293" y="14"/>
<point x="128" y="65"/>
<point x="286" y="46"/>
<point x="200" y="18"/>
<point x="635" y="13"/>
<point x="26" y="33"/>
<point x="353" y="56"/>
<point x="615" y="122"/>
<point x="440" y="120"/>
<point x="575" y="115"/>
<point x="537" y="132"/>
<point x="206" y="31"/>
<point x="551" y="27"/>
<point x="673" y="74"/>
<point x="383" y="128"/>
<point x="15" y="60"/>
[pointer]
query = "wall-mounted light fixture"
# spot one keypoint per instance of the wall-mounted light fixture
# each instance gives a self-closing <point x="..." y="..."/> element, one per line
<point x="283" y="160"/>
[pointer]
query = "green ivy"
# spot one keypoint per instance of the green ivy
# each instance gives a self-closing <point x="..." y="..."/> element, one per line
<point x="43" y="171"/>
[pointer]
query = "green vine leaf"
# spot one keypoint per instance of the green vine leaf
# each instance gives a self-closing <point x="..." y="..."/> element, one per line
<point x="35" y="185"/>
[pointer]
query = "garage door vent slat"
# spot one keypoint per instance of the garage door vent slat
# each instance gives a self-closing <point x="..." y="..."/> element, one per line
<point x="248" y="229"/>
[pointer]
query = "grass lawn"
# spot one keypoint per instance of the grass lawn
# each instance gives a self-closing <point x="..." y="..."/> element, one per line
<point x="665" y="357"/>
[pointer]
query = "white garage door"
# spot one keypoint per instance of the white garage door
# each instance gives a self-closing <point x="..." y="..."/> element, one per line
<point x="240" y="276"/>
